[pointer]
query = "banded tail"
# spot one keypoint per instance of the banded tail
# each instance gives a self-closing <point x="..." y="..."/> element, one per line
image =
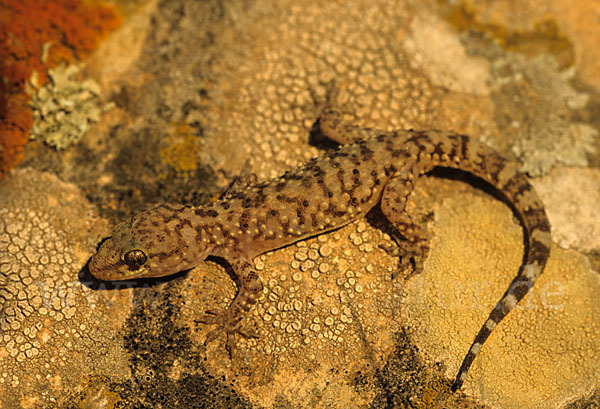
<point x="461" y="152"/>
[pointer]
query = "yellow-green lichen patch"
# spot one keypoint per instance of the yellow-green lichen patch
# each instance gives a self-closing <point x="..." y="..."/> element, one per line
<point x="544" y="353"/>
<point x="54" y="329"/>
<point x="64" y="108"/>
<point x="544" y="38"/>
<point x="180" y="150"/>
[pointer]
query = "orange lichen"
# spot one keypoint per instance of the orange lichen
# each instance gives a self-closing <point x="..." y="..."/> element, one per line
<point x="36" y="36"/>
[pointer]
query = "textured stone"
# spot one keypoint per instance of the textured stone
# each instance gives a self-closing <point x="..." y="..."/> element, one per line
<point x="543" y="353"/>
<point x="571" y="196"/>
<point x="69" y="333"/>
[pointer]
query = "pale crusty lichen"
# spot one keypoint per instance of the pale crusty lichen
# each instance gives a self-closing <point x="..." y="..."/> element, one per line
<point x="64" y="108"/>
<point x="571" y="197"/>
<point x="536" y="105"/>
<point x="435" y="48"/>
<point x="53" y="329"/>
<point x="545" y="352"/>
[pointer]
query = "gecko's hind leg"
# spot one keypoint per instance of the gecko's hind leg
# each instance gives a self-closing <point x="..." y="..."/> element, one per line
<point x="229" y="321"/>
<point x="411" y="239"/>
<point x="224" y="323"/>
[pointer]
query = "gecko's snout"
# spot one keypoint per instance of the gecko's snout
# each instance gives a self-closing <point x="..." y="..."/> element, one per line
<point x="105" y="263"/>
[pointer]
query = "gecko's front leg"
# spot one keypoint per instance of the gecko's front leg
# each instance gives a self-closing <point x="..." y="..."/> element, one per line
<point x="229" y="320"/>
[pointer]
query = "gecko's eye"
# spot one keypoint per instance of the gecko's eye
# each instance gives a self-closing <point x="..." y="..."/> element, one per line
<point x="135" y="258"/>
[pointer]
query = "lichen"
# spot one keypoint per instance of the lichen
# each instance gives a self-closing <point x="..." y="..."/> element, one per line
<point x="181" y="149"/>
<point x="53" y="329"/>
<point x="64" y="108"/>
<point x="536" y="104"/>
<point x="571" y="197"/>
<point x="545" y="37"/>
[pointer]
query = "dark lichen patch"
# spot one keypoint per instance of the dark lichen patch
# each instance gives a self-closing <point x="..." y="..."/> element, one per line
<point x="166" y="366"/>
<point x="405" y="381"/>
<point x="135" y="172"/>
<point x="144" y="178"/>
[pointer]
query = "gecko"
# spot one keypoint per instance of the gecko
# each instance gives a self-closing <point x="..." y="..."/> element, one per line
<point x="370" y="168"/>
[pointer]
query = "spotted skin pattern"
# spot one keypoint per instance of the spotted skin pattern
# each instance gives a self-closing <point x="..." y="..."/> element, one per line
<point x="370" y="167"/>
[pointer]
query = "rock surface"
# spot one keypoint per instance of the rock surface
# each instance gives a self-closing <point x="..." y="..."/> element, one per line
<point x="208" y="90"/>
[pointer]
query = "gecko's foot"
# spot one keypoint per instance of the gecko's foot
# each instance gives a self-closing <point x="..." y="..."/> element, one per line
<point x="226" y="323"/>
<point x="411" y="254"/>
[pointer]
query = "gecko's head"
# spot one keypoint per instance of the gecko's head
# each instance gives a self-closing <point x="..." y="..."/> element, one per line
<point x="152" y="244"/>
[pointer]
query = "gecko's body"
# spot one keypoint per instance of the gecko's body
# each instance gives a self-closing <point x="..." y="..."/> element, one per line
<point x="325" y="193"/>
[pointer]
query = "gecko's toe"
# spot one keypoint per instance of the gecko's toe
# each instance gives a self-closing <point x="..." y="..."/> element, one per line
<point x="411" y="255"/>
<point x="227" y="324"/>
<point x="390" y="249"/>
<point x="212" y="335"/>
<point x="211" y="317"/>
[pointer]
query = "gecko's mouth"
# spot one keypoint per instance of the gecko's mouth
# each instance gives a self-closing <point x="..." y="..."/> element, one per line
<point x="105" y="264"/>
<point x="114" y="271"/>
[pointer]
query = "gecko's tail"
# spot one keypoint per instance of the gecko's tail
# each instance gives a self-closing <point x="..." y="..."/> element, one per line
<point x="463" y="153"/>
